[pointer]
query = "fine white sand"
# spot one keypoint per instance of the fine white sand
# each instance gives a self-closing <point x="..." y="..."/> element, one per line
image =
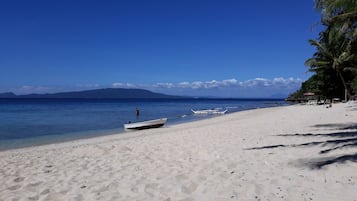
<point x="298" y="152"/>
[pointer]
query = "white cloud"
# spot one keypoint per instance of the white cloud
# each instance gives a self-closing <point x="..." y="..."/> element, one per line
<point x="228" y="83"/>
<point x="276" y="82"/>
<point x="164" y="85"/>
<point x="184" y="85"/>
<point x="199" y="84"/>
<point x="123" y="85"/>
<point x="196" y="85"/>
<point x="257" y="87"/>
<point x="33" y="89"/>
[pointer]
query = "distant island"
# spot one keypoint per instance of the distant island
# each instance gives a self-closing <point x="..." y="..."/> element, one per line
<point x="108" y="93"/>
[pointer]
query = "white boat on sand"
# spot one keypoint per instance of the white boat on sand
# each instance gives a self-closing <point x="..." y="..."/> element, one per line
<point x="210" y="111"/>
<point x="156" y="123"/>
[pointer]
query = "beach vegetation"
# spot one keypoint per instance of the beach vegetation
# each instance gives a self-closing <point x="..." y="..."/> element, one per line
<point x="334" y="64"/>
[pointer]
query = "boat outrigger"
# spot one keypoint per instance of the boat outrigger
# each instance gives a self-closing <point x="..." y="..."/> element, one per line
<point x="206" y="112"/>
<point x="156" y="123"/>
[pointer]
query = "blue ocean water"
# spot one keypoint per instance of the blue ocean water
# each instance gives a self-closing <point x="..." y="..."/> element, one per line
<point x="28" y="122"/>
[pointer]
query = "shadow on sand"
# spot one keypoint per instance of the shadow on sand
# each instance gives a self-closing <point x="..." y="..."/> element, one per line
<point x="342" y="139"/>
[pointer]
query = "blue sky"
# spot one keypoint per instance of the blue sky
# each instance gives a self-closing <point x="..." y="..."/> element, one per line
<point x="224" y="48"/>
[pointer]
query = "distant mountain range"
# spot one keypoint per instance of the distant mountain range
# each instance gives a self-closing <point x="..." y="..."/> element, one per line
<point x="109" y="93"/>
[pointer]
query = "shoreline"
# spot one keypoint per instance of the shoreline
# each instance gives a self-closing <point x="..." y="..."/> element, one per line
<point x="278" y="153"/>
<point x="88" y="135"/>
<point x="10" y="144"/>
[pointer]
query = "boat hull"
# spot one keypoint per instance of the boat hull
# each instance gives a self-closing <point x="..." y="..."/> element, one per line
<point x="203" y="111"/>
<point x="207" y="112"/>
<point x="145" y="124"/>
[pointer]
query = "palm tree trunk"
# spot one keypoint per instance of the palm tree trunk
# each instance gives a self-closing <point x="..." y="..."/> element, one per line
<point x="344" y="85"/>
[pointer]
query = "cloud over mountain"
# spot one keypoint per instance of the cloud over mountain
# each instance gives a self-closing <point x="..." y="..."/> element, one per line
<point x="230" y="87"/>
<point x="258" y="87"/>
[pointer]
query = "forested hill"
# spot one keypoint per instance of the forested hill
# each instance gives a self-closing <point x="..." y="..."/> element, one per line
<point x="109" y="93"/>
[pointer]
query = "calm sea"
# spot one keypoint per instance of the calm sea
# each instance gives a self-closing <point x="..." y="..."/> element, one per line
<point x="28" y="122"/>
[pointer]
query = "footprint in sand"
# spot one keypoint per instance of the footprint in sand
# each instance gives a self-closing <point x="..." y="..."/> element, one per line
<point x="46" y="191"/>
<point x="33" y="186"/>
<point x="189" y="188"/>
<point x="151" y="188"/>
<point x="13" y="188"/>
<point x="19" y="179"/>
<point x="35" y="197"/>
<point x="182" y="177"/>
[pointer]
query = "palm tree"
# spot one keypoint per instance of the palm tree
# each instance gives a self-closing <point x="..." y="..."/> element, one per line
<point x="337" y="10"/>
<point x="333" y="52"/>
<point x="341" y="14"/>
<point x="336" y="47"/>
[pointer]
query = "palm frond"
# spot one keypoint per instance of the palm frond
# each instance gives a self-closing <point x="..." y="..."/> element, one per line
<point x="351" y="69"/>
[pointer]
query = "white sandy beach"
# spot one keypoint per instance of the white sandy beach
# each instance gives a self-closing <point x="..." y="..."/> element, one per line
<point x="265" y="154"/>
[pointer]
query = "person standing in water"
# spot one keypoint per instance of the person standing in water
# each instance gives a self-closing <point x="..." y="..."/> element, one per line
<point x="137" y="112"/>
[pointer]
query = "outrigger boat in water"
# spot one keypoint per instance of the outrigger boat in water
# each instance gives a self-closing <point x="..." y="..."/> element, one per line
<point x="206" y="112"/>
<point x="156" y="123"/>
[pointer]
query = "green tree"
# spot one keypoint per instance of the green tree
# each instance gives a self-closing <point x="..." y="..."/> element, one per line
<point x="336" y="47"/>
<point x="333" y="56"/>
